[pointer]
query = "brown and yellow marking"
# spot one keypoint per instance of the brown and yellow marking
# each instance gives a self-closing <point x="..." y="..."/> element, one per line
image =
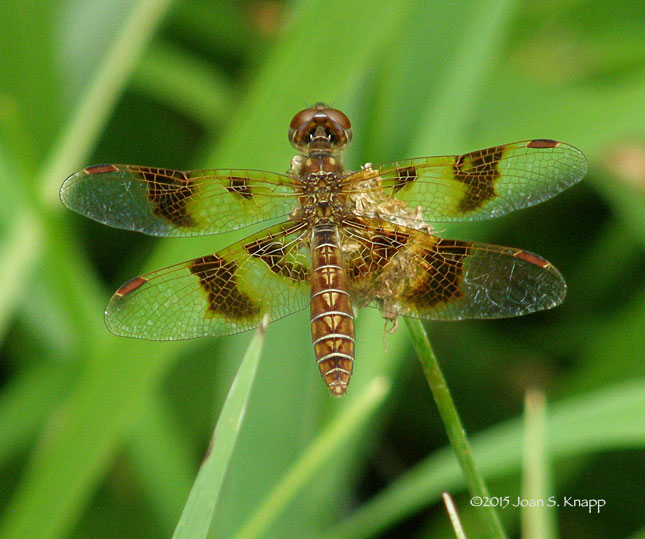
<point x="478" y="171"/>
<point x="130" y="286"/>
<point x="542" y="143"/>
<point x="443" y="274"/>
<point x="217" y="278"/>
<point x="377" y="248"/>
<point x="169" y="192"/>
<point x="385" y="244"/>
<point x="100" y="169"/>
<point x="274" y="255"/>
<point x="240" y="186"/>
<point x="405" y="176"/>
<point x="387" y="257"/>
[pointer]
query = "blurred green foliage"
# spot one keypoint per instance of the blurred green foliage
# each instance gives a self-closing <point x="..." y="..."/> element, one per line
<point x="102" y="437"/>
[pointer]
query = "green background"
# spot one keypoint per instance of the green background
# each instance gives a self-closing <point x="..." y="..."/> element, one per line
<point x="102" y="436"/>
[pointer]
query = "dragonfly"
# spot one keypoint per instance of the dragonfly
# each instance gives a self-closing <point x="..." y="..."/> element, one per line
<point x="349" y="239"/>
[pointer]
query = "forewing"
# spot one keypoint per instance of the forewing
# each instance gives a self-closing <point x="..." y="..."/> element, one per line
<point x="163" y="202"/>
<point x="219" y="294"/>
<point x="407" y="272"/>
<point x="477" y="185"/>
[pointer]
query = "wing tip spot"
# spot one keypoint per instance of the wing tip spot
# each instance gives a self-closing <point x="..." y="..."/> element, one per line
<point x="534" y="259"/>
<point x="130" y="286"/>
<point x="543" y="143"/>
<point x="100" y="169"/>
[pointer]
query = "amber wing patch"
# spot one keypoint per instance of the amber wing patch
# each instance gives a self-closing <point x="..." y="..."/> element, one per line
<point x="478" y="171"/>
<point x="442" y="278"/>
<point x="169" y="192"/>
<point x="370" y="246"/>
<point x="405" y="176"/>
<point x="240" y="186"/>
<point x="273" y="252"/>
<point x="217" y="278"/>
<point x="165" y="202"/>
<point x="218" y="294"/>
<point x="473" y="186"/>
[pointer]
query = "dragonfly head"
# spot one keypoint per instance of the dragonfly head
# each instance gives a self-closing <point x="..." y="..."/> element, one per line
<point x="320" y="128"/>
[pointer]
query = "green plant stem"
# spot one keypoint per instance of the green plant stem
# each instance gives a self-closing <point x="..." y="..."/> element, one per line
<point x="319" y="451"/>
<point x="452" y="423"/>
<point x="536" y="485"/>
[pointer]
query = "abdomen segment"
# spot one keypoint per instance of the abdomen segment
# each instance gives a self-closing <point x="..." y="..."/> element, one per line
<point x="332" y="319"/>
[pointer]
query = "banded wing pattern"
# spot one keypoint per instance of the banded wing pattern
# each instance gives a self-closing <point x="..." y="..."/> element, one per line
<point x="219" y="294"/>
<point x="478" y="185"/>
<point x="403" y="271"/>
<point x="164" y="202"/>
<point x="350" y="239"/>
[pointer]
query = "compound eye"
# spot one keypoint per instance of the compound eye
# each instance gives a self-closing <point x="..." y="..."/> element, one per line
<point x="302" y="118"/>
<point x="339" y="118"/>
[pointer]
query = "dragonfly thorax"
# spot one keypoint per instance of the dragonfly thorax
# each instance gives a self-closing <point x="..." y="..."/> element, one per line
<point x="323" y="198"/>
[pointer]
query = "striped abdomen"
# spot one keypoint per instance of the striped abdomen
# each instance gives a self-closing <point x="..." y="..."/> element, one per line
<point x="332" y="319"/>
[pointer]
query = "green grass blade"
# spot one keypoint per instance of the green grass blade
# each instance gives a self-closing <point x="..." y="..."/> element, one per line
<point x="198" y="513"/>
<point x="454" y="428"/>
<point x="455" y="521"/>
<point x="475" y="56"/>
<point x="179" y="79"/>
<point x="610" y="418"/>
<point x="18" y="251"/>
<point x="329" y="441"/>
<point x="95" y="107"/>
<point x="537" y="522"/>
<point x="163" y="459"/>
<point x="25" y="403"/>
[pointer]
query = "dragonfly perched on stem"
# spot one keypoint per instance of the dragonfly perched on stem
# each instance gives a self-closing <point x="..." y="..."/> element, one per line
<point x="349" y="239"/>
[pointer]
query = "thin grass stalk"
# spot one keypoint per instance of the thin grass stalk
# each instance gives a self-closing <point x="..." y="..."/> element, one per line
<point x="455" y="521"/>
<point x="536" y="474"/>
<point x="197" y="517"/>
<point x="454" y="428"/>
